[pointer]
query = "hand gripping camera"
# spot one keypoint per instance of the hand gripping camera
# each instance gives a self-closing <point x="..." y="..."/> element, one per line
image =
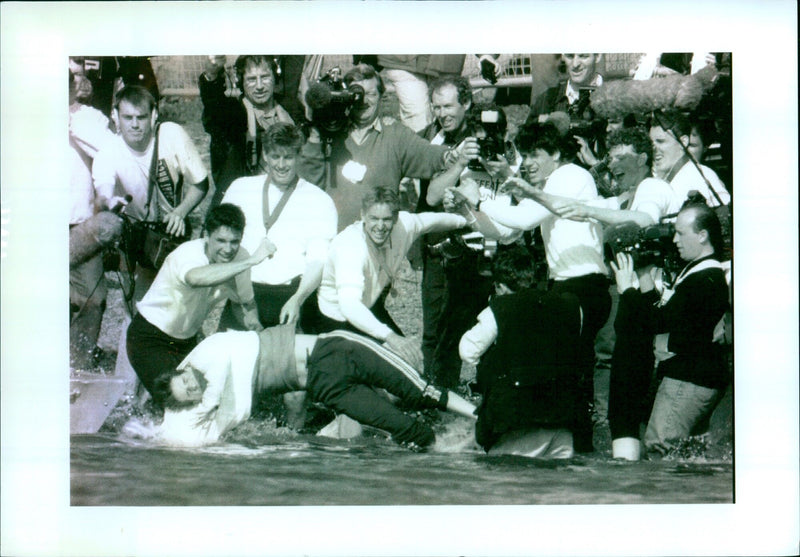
<point x="330" y="101"/>
<point x="493" y="143"/>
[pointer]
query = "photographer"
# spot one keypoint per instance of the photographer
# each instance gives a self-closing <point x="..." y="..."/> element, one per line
<point x="156" y="167"/>
<point x="235" y="124"/>
<point x="682" y="318"/>
<point x="370" y="150"/>
<point x="194" y="278"/>
<point x="581" y="72"/>
<point x="486" y="161"/>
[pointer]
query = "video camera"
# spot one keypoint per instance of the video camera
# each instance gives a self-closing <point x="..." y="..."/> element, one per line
<point x="651" y="245"/>
<point x="330" y="101"/>
<point x="493" y="143"/>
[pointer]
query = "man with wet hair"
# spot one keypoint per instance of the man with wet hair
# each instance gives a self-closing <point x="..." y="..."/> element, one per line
<point x="528" y="368"/>
<point x="574" y="250"/>
<point x="194" y="278"/>
<point x="362" y="264"/>
<point x="221" y="377"/>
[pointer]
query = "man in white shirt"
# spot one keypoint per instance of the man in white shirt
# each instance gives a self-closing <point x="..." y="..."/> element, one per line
<point x="298" y="218"/>
<point x="363" y="261"/>
<point x="156" y="179"/>
<point x="194" y="278"/>
<point x="670" y="132"/>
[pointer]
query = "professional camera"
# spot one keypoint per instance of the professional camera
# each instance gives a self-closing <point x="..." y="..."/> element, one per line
<point x="651" y="245"/>
<point x="583" y="121"/>
<point x="493" y="143"/>
<point x="330" y="101"/>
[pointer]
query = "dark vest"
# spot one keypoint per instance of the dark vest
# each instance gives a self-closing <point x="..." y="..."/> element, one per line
<point x="528" y="378"/>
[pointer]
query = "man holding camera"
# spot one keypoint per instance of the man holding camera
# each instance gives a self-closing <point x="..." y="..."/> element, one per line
<point x="236" y="124"/>
<point x="454" y="289"/>
<point x="373" y="150"/>
<point x="194" y="278"/>
<point x="153" y="171"/>
<point x="682" y="318"/>
<point x="563" y="97"/>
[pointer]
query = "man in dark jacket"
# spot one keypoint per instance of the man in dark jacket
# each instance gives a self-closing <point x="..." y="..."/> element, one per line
<point x="524" y="345"/>
<point x="683" y="318"/>
<point x="236" y="124"/>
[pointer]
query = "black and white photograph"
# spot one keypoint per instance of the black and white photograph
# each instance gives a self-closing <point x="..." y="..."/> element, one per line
<point x="289" y="292"/>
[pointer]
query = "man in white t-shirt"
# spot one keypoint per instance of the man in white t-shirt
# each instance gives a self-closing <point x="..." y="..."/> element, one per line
<point x="298" y="218"/>
<point x="194" y="278"/>
<point x="123" y="173"/>
<point x="364" y="260"/>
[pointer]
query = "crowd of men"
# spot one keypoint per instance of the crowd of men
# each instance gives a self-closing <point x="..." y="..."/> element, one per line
<point x="307" y="231"/>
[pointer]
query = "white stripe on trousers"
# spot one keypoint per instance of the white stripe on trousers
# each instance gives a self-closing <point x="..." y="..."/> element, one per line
<point x="384" y="353"/>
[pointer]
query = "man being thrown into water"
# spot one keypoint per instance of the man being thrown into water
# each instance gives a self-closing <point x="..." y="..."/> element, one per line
<point x="220" y="378"/>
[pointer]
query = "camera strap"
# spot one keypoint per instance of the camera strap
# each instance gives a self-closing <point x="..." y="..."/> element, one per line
<point x="152" y="176"/>
<point x="689" y="156"/>
<point x="271" y="218"/>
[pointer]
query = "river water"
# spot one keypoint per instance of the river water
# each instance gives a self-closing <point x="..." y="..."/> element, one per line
<point x="261" y="464"/>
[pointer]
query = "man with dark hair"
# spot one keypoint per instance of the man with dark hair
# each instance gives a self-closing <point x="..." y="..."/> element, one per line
<point x="194" y="278"/>
<point x="236" y="124"/>
<point x="574" y="250"/>
<point x="363" y="261"/>
<point x="682" y="317"/>
<point x="670" y="132"/>
<point x="298" y="218"/>
<point x="374" y="151"/>
<point x="528" y="368"/>
<point x="220" y="379"/>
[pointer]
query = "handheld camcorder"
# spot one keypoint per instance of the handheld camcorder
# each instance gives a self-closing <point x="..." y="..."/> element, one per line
<point x="493" y="143"/>
<point x="651" y="245"/>
<point x="330" y="101"/>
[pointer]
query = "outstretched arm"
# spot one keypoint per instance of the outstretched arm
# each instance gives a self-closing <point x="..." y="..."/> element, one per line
<point x="218" y="273"/>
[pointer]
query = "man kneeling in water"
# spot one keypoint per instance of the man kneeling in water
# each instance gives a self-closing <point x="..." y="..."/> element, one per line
<point x="221" y="377"/>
